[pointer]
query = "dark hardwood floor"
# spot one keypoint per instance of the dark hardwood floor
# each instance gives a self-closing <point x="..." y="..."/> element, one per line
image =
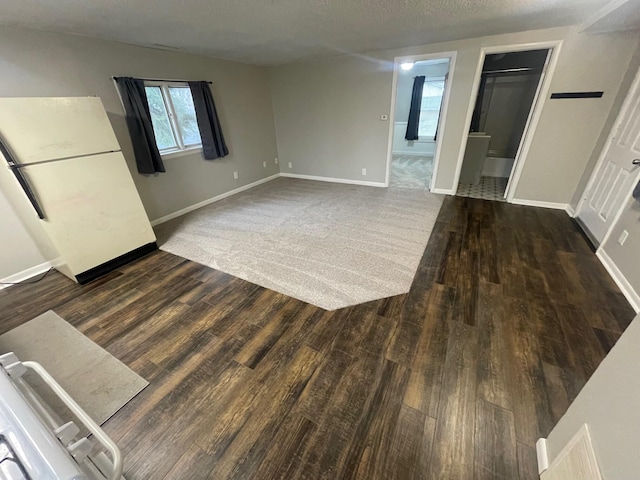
<point x="509" y="314"/>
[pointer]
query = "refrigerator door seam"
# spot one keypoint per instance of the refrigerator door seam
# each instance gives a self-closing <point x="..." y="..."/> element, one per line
<point x="25" y="165"/>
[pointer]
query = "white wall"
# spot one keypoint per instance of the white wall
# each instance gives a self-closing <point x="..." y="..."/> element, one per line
<point x="19" y="252"/>
<point x="35" y="63"/>
<point x="327" y="111"/>
<point x="608" y="404"/>
<point x="569" y="130"/>
<point x="328" y="116"/>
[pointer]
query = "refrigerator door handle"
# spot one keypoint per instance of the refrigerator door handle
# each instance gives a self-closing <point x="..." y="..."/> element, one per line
<point x="15" y="168"/>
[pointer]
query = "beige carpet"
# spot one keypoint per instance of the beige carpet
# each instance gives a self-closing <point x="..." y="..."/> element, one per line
<point x="411" y="171"/>
<point x="331" y="245"/>
<point x="100" y="383"/>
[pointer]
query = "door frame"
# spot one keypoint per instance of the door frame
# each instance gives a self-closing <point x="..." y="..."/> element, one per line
<point x="534" y="114"/>
<point x="443" y="115"/>
<point x="635" y="85"/>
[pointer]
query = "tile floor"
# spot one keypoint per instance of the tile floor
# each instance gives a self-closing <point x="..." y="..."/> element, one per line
<point x="489" y="188"/>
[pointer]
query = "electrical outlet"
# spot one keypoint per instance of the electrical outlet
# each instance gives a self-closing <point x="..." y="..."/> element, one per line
<point x="276" y="160"/>
<point x="384" y="118"/>
<point x="623" y="237"/>
<point x="290" y="165"/>
<point x="264" y="164"/>
<point x="235" y="175"/>
<point x="364" y="172"/>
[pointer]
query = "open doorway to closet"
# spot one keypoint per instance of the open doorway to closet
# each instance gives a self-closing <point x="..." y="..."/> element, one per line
<point x="509" y="85"/>
<point x="420" y="100"/>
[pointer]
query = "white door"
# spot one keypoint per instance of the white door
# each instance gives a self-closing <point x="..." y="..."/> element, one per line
<point x="617" y="172"/>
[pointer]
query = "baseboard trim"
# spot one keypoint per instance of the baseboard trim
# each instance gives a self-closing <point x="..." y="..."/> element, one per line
<point x="443" y="191"/>
<point x="208" y="201"/>
<point x="538" y="203"/>
<point x="628" y="291"/>
<point x="25" y="274"/>
<point x="570" y="211"/>
<point x="542" y="455"/>
<point x="334" y="180"/>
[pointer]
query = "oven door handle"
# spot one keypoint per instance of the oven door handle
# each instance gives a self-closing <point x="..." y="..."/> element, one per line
<point x="93" y="427"/>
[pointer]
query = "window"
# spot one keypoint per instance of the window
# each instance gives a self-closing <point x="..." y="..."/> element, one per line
<point x="430" y="108"/>
<point x="173" y="117"/>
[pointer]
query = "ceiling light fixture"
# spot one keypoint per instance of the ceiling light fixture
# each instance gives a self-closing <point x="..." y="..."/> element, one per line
<point x="406" y="65"/>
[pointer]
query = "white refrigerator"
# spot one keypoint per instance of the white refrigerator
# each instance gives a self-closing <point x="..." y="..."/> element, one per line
<point x="64" y="161"/>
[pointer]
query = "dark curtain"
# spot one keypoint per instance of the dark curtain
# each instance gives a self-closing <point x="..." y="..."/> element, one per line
<point x="213" y="145"/>
<point x="414" y="111"/>
<point x="136" y="108"/>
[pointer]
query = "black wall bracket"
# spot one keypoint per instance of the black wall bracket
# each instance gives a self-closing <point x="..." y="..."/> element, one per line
<point x="577" y="95"/>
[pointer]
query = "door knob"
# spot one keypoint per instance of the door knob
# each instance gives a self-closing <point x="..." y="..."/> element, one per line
<point x="635" y="161"/>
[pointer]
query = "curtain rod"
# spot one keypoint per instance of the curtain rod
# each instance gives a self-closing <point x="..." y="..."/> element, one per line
<point x="163" y="80"/>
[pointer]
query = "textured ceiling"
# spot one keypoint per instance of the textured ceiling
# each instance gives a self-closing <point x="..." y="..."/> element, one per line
<point x="624" y="18"/>
<point x="270" y="32"/>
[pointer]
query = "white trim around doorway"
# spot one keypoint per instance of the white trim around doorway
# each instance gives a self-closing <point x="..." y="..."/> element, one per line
<point x="443" y="116"/>
<point x="534" y="116"/>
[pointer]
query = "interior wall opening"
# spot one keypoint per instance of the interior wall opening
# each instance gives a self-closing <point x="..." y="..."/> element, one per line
<point x="420" y="93"/>
<point x="508" y="87"/>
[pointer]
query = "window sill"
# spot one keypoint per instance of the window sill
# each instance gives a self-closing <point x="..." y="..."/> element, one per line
<point x="181" y="153"/>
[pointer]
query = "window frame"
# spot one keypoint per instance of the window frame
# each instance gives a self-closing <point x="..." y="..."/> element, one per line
<point x="173" y="121"/>
<point x="429" y="138"/>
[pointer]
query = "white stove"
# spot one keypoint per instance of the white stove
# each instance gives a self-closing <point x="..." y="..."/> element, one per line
<point x="36" y="444"/>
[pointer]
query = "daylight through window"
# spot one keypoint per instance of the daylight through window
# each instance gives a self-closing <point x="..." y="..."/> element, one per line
<point x="430" y="108"/>
<point x="173" y="116"/>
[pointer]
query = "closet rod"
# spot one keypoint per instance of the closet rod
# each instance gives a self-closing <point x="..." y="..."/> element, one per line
<point x="510" y="70"/>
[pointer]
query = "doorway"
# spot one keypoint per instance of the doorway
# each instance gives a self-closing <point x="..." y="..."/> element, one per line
<point x="508" y="89"/>
<point x="421" y="88"/>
